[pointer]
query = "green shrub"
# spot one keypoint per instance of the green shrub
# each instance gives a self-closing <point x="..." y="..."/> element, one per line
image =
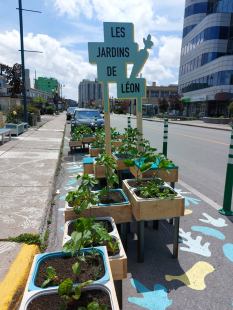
<point x="15" y="114"/>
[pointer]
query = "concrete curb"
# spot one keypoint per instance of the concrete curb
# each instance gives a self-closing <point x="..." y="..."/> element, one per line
<point x="44" y="224"/>
<point x="191" y="125"/>
<point x="179" y="123"/>
<point x="12" y="286"/>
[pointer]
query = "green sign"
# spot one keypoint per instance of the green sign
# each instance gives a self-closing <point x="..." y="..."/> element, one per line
<point x="114" y="54"/>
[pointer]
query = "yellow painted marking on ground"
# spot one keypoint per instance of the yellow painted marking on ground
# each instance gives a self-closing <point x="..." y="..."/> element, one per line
<point x="194" y="278"/>
<point x="203" y="139"/>
<point x="188" y="212"/>
<point x="17" y="275"/>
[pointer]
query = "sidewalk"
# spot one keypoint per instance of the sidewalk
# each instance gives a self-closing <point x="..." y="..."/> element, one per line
<point x="28" y="166"/>
<point x="196" y="123"/>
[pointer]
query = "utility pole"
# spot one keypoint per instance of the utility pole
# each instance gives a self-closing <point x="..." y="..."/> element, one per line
<point x="22" y="50"/>
<point x="25" y="112"/>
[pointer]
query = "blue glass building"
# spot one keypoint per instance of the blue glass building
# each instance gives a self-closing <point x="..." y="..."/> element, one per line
<point x="206" y="64"/>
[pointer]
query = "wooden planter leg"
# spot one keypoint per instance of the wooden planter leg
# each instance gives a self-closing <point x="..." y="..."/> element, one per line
<point x="172" y="184"/>
<point x="119" y="174"/>
<point x="124" y="235"/>
<point x="156" y="225"/>
<point x="176" y="236"/>
<point x="118" y="288"/>
<point x="140" y="241"/>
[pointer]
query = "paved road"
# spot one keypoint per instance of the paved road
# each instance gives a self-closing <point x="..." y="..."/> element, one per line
<point x="200" y="153"/>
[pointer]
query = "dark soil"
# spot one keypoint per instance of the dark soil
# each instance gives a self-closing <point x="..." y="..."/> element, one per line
<point x="122" y="156"/>
<point x="135" y="183"/>
<point x="105" y="223"/>
<point x="54" y="302"/>
<point x="91" y="269"/>
<point x="112" y="197"/>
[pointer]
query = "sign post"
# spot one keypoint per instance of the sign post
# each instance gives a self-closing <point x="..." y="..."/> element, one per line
<point x="226" y="210"/>
<point x="112" y="57"/>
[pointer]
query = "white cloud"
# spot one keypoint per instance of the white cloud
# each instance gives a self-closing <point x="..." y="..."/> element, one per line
<point x="70" y="68"/>
<point x="147" y="16"/>
<point x="169" y="51"/>
<point x="56" y="61"/>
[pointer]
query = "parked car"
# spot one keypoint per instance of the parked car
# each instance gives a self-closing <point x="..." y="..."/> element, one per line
<point x="70" y="113"/>
<point x="89" y="117"/>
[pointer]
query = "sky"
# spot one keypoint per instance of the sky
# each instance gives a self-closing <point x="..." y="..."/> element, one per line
<point x="64" y="28"/>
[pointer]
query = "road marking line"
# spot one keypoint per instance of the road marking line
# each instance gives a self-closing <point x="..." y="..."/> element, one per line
<point x="197" y="138"/>
<point x="200" y="195"/>
<point x="17" y="275"/>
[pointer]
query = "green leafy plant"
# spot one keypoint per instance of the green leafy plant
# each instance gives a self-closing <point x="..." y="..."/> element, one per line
<point x="89" y="233"/>
<point x="130" y="141"/>
<point x="94" y="305"/>
<point x="99" y="139"/>
<point x="51" y="277"/>
<point x="109" y="164"/>
<point x="81" y="198"/>
<point x="142" y="157"/>
<point x="156" y="189"/>
<point x="81" y="131"/>
<point x="69" y="292"/>
<point x="113" y="246"/>
<point x="15" y="114"/>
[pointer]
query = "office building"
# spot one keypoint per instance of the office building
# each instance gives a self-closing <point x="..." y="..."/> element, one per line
<point x="90" y="93"/>
<point x="206" y="64"/>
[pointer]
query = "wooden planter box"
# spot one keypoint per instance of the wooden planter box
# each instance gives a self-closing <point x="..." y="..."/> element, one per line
<point x="120" y="163"/>
<point x="94" y="152"/>
<point x="16" y="129"/>
<point x="71" y="215"/>
<point x="117" y="143"/>
<point x="153" y="208"/>
<point x="99" y="171"/>
<point x="118" y="263"/>
<point x="121" y="212"/>
<point x="88" y="165"/>
<point x="88" y="139"/>
<point x="167" y="175"/>
<point x="74" y="144"/>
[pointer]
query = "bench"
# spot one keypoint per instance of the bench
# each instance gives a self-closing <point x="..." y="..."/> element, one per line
<point x="5" y="132"/>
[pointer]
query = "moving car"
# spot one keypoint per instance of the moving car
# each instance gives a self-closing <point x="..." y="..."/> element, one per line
<point x="89" y="117"/>
<point x="70" y="113"/>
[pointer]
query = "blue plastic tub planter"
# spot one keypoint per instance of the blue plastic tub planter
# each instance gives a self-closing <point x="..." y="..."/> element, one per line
<point x="118" y="262"/>
<point x="16" y="129"/>
<point x="52" y="300"/>
<point x="120" y="211"/>
<point x="46" y="257"/>
<point x="146" y="209"/>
